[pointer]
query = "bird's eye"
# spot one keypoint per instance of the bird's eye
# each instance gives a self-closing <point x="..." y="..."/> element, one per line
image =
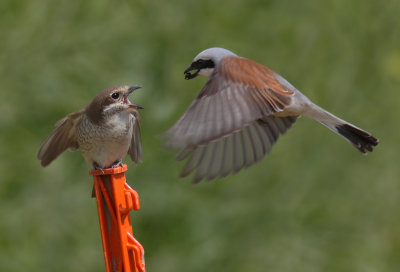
<point x="115" y="95"/>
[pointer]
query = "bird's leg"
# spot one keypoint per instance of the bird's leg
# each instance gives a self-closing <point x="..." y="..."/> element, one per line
<point x="96" y="166"/>
<point x="117" y="163"/>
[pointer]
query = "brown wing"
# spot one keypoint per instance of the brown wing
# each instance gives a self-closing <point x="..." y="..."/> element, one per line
<point x="235" y="151"/>
<point x="62" y="138"/>
<point x="135" y="149"/>
<point x="239" y="92"/>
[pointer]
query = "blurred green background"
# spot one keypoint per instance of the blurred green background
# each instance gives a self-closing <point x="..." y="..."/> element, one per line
<point x="314" y="204"/>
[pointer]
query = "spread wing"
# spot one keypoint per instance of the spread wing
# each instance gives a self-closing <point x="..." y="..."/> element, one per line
<point x="233" y="113"/>
<point x="238" y="92"/>
<point x="135" y="149"/>
<point x="235" y="151"/>
<point x="62" y="138"/>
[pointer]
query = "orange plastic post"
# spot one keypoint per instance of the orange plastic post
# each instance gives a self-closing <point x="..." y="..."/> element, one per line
<point x="115" y="199"/>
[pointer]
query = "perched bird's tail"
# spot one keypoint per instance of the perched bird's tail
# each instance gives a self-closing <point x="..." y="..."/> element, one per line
<point x="361" y="139"/>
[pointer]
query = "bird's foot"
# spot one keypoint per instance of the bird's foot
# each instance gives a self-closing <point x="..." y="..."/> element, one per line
<point x="117" y="163"/>
<point x="97" y="167"/>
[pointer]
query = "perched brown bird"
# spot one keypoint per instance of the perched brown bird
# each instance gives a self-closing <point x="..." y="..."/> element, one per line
<point x="105" y="131"/>
<point x="239" y="115"/>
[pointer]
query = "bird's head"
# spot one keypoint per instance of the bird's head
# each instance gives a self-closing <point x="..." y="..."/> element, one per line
<point x="205" y="62"/>
<point x="111" y="101"/>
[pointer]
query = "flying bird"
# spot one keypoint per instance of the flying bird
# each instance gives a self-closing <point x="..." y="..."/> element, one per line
<point x="105" y="131"/>
<point x="240" y="113"/>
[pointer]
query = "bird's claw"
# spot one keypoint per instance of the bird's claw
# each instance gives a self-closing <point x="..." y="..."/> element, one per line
<point x="97" y="167"/>
<point x="116" y="164"/>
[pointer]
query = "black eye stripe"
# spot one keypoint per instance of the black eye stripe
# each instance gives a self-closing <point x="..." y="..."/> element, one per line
<point x="202" y="64"/>
<point x="114" y="95"/>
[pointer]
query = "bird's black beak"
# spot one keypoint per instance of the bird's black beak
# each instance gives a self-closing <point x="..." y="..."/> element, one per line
<point x="189" y="75"/>
<point x="136" y="106"/>
<point x="132" y="88"/>
<point x="132" y="105"/>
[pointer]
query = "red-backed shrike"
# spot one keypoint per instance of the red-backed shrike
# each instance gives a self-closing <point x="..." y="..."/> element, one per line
<point x="239" y="115"/>
<point x="105" y="131"/>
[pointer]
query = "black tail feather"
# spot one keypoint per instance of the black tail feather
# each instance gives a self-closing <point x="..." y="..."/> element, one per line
<point x="361" y="139"/>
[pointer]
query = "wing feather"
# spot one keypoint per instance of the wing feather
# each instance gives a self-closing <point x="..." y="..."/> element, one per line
<point x="202" y="169"/>
<point x="256" y="142"/>
<point x="227" y="158"/>
<point x="62" y="138"/>
<point x="193" y="161"/>
<point x="266" y="139"/>
<point x="135" y="148"/>
<point x="252" y="92"/>
<point x="235" y="151"/>
<point x="238" y="152"/>
<point x="231" y="123"/>
<point x="248" y="148"/>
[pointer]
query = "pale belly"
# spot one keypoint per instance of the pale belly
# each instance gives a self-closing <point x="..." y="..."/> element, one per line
<point x="105" y="145"/>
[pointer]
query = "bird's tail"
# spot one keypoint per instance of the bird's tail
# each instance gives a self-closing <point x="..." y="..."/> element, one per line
<point x="361" y="139"/>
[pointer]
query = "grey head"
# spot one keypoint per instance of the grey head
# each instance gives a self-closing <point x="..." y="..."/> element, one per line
<point x="205" y="62"/>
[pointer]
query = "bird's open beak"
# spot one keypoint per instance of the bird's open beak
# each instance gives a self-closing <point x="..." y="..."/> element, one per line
<point x="126" y="99"/>
<point x="189" y="75"/>
<point x="132" y="88"/>
<point x="135" y="106"/>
